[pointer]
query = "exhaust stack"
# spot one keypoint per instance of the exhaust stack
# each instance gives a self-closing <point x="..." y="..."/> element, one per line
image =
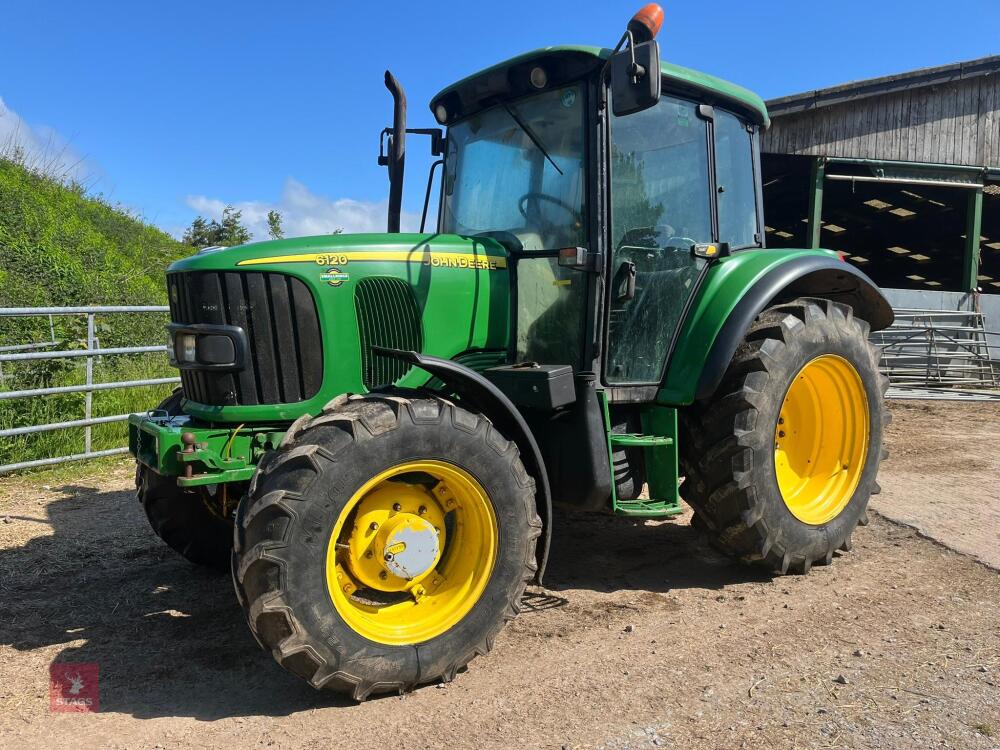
<point x="396" y="158"/>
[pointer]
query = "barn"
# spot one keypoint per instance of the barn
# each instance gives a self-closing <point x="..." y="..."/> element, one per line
<point x="902" y="175"/>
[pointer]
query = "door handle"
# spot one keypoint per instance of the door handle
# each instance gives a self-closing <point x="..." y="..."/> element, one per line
<point x="625" y="282"/>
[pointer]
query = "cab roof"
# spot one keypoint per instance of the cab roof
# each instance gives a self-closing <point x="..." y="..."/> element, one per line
<point x="475" y="91"/>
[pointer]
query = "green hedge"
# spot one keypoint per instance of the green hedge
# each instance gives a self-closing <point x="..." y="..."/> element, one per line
<point x="58" y="247"/>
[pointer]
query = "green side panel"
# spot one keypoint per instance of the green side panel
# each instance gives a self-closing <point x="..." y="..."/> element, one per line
<point x="740" y="96"/>
<point x="661" y="462"/>
<point x="727" y="281"/>
<point x="460" y="285"/>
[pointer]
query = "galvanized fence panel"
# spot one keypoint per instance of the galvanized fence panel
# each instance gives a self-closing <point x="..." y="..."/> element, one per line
<point x="44" y="351"/>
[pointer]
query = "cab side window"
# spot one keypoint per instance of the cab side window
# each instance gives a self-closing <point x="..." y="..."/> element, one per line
<point x="737" y="194"/>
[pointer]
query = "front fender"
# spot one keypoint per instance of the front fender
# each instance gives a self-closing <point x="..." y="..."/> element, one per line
<point x="476" y="390"/>
<point x="735" y="291"/>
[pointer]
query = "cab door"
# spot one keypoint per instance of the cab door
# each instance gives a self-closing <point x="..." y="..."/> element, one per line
<point x="662" y="203"/>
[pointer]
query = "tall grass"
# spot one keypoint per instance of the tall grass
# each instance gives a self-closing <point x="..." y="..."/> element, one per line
<point x="61" y="246"/>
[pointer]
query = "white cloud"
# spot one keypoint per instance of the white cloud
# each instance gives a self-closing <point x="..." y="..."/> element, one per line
<point x="41" y="149"/>
<point x="305" y="213"/>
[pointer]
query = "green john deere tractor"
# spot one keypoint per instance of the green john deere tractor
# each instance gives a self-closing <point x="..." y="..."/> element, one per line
<point x="375" y="430"/>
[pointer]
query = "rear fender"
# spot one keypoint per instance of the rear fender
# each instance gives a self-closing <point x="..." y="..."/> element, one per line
<point x="737" y="289"/>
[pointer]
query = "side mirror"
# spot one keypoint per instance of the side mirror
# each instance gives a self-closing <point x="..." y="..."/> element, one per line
<point x="635" y="78"/>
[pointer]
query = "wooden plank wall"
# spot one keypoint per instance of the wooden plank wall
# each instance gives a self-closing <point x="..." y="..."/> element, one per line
<point x="955" y="123"/>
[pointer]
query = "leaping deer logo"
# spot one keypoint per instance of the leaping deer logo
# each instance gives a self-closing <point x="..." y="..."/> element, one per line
<point x="75" y="683"/>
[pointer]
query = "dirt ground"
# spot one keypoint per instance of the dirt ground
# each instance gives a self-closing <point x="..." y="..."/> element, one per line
<point x="642" y="638"/>
<point x="943" y="474"/>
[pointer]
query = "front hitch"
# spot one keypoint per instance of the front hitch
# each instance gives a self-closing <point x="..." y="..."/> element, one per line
<point x="198" y="454"/>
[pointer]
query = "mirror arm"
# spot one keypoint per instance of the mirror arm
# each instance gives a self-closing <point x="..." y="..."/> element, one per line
<point x="626" y="37"/>
<point x="427" y="195"/>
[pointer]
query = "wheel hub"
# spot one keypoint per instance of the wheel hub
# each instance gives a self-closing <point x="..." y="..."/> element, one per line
<point x="410" y="547"/>
<point x="396" y="571"/>
<point x="397" y="538"/>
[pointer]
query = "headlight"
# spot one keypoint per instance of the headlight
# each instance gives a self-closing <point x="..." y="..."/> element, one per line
<point x="188" y="348"/>
<point x="185" y="348"/>
<point x="207" y="347"/>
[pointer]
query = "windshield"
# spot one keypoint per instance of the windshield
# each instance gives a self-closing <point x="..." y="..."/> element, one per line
<point x="519" y="168"/>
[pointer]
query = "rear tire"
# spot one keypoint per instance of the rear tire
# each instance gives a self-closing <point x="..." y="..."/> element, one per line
<point x="780" y="462"/>
<point x="185" y="519"/>
<point x="303" y="565"/>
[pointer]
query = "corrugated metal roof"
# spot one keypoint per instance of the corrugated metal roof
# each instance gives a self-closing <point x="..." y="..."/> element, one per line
<point x="913" y="79"/>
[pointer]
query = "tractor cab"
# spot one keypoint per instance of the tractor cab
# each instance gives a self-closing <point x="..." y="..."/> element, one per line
<point x="612" y="179"/>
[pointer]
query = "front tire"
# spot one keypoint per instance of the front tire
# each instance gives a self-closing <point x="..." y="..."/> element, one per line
<point x="781" y="461"/>
<point x="385" y="543"/>
<point x="194" y="523"/>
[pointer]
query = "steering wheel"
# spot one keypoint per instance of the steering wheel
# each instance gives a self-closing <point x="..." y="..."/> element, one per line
<point x="522" y="205"/>
<point x="680" y="243"/>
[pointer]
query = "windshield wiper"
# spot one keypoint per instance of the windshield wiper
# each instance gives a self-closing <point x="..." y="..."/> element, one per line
<point x="534" y="138"/>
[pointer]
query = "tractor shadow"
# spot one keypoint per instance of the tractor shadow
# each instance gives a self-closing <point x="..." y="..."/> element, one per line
<point x="605" y="553"/>
<point x="170" y="638"/>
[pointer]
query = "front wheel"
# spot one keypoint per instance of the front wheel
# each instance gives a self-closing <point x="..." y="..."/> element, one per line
<point x="780" y="463"/>
<point x="196" y="523"/>
<point x="385" y="543"/>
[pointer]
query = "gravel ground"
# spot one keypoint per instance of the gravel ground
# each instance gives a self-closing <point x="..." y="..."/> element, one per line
<point x="643" y="637"/>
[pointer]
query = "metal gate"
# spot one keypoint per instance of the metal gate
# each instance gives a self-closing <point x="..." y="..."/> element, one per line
<point x="937" y="353"/>
<point x="45" y="350"/>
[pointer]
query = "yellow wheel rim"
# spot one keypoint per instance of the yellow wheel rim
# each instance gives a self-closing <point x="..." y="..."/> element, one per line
<point x="412" y="552"/>
<point x="821" y="439"/>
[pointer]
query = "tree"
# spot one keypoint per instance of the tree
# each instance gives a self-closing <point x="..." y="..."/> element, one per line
<point x="274" y="229"/>
<point x="199" y="234"/>
<point x="229" y="232"/>
<point x="233" y="231"/>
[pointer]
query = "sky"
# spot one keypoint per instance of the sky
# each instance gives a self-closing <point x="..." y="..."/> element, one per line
<point x="175" y="109"/>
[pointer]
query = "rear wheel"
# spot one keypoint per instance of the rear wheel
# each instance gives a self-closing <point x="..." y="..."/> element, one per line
<point x="780" y="463"/>
<point x="196" y="523"/>
<point x="385" y="543"/>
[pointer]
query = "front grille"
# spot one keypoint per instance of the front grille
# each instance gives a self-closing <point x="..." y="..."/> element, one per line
<point x="388" y="317"/>
<point x="279" y="316"/>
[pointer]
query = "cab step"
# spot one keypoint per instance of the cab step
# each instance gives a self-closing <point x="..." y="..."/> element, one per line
<point x="640" y="441"/>
<point x="648" y="508"/>
<point x="659" y="441"/>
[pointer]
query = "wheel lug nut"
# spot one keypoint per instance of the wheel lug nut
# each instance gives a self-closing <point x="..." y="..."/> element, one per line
<point x="781" y="434"/>
<point x="397" y="507"/>
<point x="422" y="510"/>
<point x="373" y="526"/>
<point x="369" y="554"/>
<point x="383" y="575"/>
